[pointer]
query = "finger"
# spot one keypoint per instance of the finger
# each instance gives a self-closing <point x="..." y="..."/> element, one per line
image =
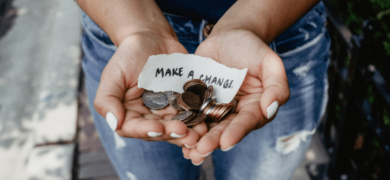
<point x="168" y="117"/>
<point x="211" y="125"/>
<point x="276" y="90"/>
<point x="200" y="128"/>
<point x="186" y="152"/>
<point x="166" y="111"/>
<point x="109" y="96"/>
<point x="152" y="117"/>
<point x="195" y="158"/>
<point x="174" y="129"/>
<point x="137" y="126"/>
<point x="248" y="119"/>
<point x="136" y="105"/>
<point x="210" y="141"/>
<point x="189" y="141"/>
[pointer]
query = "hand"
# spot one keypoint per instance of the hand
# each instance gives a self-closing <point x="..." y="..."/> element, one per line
<point x="118" y="97"/>
<point x="264" y="89"/>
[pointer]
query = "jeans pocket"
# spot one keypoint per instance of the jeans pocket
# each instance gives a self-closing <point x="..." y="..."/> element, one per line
<point x="94" y="31"/>
<point x="304" y="31"/>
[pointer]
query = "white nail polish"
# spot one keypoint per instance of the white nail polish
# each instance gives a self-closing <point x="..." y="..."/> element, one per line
<point x="197" y="164"/>
<point x="271" y="110"/>
<point x="112" y="120"/>
<point x="229" y="148"/>
<point x="176" y="135"/>
<point x="205" y="154"/>
<point x="189" y="146"/>
<point x="154" y="134"/>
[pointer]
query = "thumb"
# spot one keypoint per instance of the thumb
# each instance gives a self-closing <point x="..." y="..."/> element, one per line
<point x="276" y="90"/>
<point x="109" y="96"/>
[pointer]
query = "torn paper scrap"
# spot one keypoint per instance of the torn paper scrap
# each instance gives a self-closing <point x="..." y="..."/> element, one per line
<point x="169" y="73"/>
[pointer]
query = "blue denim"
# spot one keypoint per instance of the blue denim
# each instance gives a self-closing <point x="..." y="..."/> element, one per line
<point x="304" y="51"/>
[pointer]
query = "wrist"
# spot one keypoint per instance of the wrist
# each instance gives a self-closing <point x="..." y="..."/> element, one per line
<point x="122" y="33"/>
<point x="121" y="18"/>
<point x="265" y="18"/>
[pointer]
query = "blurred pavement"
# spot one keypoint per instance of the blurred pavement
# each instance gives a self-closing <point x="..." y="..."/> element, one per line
<point x="39" y="69"/>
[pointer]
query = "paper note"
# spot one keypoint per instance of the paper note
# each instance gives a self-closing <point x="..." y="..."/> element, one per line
<point x="169" y="73"/>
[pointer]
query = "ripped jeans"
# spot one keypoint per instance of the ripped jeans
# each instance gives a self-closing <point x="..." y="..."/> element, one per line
<point x="270" y="153"/>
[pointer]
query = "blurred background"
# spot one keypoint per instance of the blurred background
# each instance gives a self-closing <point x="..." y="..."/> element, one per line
<point x="46" y="131"/>
<point x="39" y="78"/>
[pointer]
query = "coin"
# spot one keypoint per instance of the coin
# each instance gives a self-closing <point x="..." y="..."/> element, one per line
<point x="210" y="91"/>
<point x="195" y="86"/>
<point x="200" y="117"/>
<point x="219" y="112"/>
<point x="189" y="101"/>
<point x="196" y="96"/>
<point x="208" y="111"/>
<point x="196" y="89"/>
<point x="172" y="100"/>
<point x="184" y="115"/>
<point x="170" y="93"/>
<point x="205" y="106"/>
<point x="229" y="109"/>
<point x="215" y="112"/>
<point x="155" y="100"/>
<point x="206" y="94"/>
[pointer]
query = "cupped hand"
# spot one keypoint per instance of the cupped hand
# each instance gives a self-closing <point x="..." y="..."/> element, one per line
<point x="264" y="89"/>
<point x="119" y="99"/>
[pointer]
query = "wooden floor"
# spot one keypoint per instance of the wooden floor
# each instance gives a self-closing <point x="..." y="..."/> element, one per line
<point x="93" y="163"/>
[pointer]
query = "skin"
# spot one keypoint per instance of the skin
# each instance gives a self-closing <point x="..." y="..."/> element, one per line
<point x="239" y="40"/>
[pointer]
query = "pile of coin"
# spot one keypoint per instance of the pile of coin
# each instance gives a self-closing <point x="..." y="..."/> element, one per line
<point x="195" y="105"/>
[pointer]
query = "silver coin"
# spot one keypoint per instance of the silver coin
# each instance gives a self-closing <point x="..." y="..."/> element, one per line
<point x="155" y="100"/>
<point x="208" y="101"/>
<point x="209" y="111"/>
<point x="169" y="94"/>
<point x="184" y="116"/>
<point x="172" y="100"/>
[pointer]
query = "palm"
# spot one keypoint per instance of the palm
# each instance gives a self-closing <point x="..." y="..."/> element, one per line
<point x="242" y="49"/>
<point x="118" y="91"/>
<point x="264" y="83"/>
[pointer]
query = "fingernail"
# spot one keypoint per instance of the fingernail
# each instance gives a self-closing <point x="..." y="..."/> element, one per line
<point x="154" y="134"/>
<point x="189" y="146"/>
<point x="153" y="111"/>
<point x="271" y="110"/>
<point x="197" y="164"/>
<point x="185" y="157"/>
<point x="111" y="120"/>
<point x="174" y="135"/>
<point x="205" y="154"/>
<point x="229" y="148"/>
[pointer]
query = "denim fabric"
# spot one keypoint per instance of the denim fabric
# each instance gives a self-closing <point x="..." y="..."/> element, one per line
<point x="304" y="50"/>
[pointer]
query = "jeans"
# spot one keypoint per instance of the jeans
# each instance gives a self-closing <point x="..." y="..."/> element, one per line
<point x="272" y="152"/>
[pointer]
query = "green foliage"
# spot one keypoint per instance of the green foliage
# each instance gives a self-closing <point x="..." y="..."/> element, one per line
<point x="386" y="118"/>
<point x="353" y="13"/>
